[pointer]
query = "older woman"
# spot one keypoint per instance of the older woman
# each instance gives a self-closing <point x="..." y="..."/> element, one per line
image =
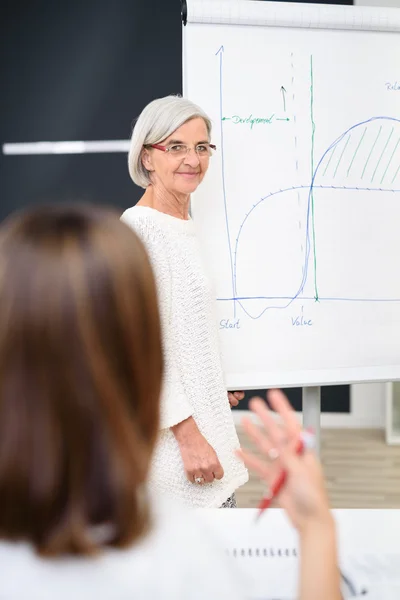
<point x="169" y="157"/>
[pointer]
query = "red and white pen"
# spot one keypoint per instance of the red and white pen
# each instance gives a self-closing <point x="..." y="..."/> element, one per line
<point x="306" y="442"/>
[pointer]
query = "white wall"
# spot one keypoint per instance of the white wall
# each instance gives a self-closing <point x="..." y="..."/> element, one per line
<point x="367" y="408"/>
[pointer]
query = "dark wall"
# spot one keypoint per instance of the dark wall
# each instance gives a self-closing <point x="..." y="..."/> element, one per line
<point x="80" y="71"/>
<point x="334" y="398"/>
<point x="84" y="71"/>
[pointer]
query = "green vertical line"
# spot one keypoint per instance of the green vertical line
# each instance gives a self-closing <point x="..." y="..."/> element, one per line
<point x="355" y="153"/>
<point x="395" y="175"/>
<point x="312" y="172"/>
<point x="390" y="160"/>
<point x="372" y="149"/>
<point x="329" y="161"/>
<point x="383" y="152"/>
<point x="341" y="156"/>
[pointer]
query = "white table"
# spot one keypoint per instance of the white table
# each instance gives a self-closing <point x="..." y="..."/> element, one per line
<point x="363" y="535"/>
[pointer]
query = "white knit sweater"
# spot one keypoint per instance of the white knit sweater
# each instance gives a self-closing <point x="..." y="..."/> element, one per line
<point x="193" y="380"/>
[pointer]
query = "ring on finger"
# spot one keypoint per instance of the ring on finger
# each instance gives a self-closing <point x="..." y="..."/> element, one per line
<point x="199" y="480"/>
<point x="273" y="454"/>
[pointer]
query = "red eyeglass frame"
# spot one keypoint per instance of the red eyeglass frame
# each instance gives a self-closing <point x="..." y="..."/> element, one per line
<point x="165" y="148"/>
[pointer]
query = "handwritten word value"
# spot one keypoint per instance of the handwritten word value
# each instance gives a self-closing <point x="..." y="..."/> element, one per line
<point x="301" y="320"/>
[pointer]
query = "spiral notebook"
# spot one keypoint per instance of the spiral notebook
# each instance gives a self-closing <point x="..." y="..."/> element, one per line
<point x="275" y="569"/>
<point x="271" y="573"/>
<point x="265" y="554"/>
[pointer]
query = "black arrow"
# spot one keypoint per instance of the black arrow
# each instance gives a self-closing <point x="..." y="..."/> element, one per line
<point x="284" y="98"/>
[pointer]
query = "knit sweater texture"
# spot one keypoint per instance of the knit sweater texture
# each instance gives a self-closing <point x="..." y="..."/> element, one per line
<point x="193" y="379"/>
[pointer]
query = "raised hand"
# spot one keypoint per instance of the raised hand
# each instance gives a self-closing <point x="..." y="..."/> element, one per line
<point x="304" y="495"/>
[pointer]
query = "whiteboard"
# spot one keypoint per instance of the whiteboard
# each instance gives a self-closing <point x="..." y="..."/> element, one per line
<point x="299" y="214"/>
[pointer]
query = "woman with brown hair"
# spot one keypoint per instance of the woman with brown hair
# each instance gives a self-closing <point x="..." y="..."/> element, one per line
<point x="78" y="413"/>
<point x="80" y="376"/>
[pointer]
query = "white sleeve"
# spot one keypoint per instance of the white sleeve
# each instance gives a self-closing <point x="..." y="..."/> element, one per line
<point x="210" y="574"/>
<point x="175" y="407"/>
<point x="191" y="558"/>
<point x="213" y="575"/>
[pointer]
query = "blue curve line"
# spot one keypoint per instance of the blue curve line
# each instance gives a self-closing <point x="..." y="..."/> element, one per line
<point x="327" y="187"/>
<point x="310" y="187"/>
<point x="220" y="51"/>
<point x="327" y="299"/>
<point x="335" y="143"/>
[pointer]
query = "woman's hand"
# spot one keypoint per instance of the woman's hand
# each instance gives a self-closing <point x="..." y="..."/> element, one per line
<point x="200" y="460"/>
<point x="304" y="495"/>
<point x="235" y="397"/>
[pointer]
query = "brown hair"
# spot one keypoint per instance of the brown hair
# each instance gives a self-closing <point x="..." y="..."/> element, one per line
<point x="80" y="377"/>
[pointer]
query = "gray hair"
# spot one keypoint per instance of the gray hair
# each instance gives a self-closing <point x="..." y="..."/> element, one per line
<point x="156" y="122"/>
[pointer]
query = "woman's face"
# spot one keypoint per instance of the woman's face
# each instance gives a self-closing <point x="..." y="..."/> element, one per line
<point x="180" y="175"/>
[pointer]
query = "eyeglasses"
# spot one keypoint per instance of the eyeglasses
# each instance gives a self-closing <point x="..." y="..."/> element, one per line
<point x="182" y="150"/>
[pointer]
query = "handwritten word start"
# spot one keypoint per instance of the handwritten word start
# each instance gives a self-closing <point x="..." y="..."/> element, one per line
<point x="393" y="87"/>
<point x="228" y="324"/>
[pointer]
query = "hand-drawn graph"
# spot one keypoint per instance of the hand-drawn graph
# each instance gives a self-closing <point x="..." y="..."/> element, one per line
<point x="364" y="159"/>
